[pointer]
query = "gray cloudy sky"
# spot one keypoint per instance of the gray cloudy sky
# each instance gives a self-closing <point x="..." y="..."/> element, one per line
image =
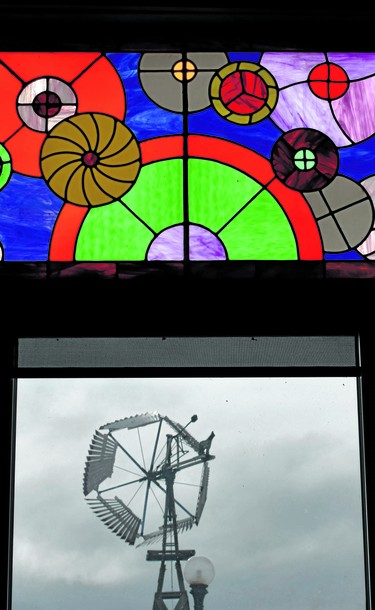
<point x="282" y="521"/>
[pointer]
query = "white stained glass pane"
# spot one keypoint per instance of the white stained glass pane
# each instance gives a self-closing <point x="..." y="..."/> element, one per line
<point x="282" y="523"/>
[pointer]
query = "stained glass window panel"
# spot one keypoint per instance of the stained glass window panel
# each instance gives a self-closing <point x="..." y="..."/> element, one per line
<point x="176" y="156"/>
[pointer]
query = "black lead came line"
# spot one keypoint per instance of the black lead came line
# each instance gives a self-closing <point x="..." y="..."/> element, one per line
<point x="185" y="185"/>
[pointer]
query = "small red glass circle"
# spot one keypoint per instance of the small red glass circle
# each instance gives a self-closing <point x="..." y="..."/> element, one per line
<point x="243" y="92"/>
<point x="328" y="81"/>
<point x="46" y="104"/>
<point x="90" y="159"/>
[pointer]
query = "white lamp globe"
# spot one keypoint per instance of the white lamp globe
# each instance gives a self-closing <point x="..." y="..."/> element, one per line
<point x="199" y="571"/>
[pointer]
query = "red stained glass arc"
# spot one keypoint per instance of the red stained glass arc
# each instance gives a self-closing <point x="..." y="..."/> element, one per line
<point x="64" y="237"/>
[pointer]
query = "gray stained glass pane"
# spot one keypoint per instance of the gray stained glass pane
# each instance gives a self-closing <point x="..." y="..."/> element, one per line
<point x="159" y="61"/>
<point x="198" y="91"/>
<point x="163" y="89"/>
<point x="210" y="61"/>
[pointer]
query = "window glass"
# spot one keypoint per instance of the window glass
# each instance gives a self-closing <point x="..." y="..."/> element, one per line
<point x="282" y="521"/>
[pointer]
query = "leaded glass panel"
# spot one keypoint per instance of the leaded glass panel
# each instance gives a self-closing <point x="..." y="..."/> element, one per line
<point x="174" y="156"/>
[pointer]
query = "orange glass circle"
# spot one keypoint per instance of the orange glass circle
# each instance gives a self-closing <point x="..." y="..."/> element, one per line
<point x="184" y="70"/>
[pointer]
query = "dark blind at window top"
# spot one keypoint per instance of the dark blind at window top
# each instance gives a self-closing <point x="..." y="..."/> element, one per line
<point x="249" y="351"/>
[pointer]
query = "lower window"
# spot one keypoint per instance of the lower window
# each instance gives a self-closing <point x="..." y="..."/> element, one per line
<point x="279" y="501"/>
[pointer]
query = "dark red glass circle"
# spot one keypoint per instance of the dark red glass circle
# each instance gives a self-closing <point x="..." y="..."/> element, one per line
<point x="90" y="159"/>
<point x="305" y="180"/>
<point x="46" y="104"/>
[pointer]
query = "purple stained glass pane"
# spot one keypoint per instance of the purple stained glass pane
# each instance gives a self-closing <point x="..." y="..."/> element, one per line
<point x="353" y="110"/>
<point x="356" y="65"/>
<point x="203" y="246"/>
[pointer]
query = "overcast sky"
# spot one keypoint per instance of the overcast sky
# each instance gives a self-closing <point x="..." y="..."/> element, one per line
<point x="282" y="522"/>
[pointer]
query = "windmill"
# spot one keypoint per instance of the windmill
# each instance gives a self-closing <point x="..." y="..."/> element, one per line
<point x="143" y="490"/>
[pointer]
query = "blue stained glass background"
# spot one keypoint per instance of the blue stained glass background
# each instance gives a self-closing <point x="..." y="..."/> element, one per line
<point x="143" y="117"/>
<point x="28" y="211"/>
<point x="28" y="208"/>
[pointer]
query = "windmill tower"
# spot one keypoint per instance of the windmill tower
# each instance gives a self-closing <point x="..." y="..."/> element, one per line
<point x="159" y="471"/>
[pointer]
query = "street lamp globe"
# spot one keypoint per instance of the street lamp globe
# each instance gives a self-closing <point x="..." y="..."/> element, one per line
<point x="199" y="573"/>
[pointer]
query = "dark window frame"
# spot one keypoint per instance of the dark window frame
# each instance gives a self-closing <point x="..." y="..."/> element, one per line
<point x="217" y="302"/>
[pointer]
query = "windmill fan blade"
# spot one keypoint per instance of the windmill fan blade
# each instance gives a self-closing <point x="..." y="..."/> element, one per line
<point x="100" y="461"/>
<point x="133" y="422"/>
<point x="117" y="517"/>
<point x="188" y="438"/>
<point x="152" y="537"/>
<point x="182" y="525"/>
<point x="202" y="497"/>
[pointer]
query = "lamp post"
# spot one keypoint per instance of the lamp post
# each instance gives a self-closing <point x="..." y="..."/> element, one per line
<point x="199" y="572"/>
